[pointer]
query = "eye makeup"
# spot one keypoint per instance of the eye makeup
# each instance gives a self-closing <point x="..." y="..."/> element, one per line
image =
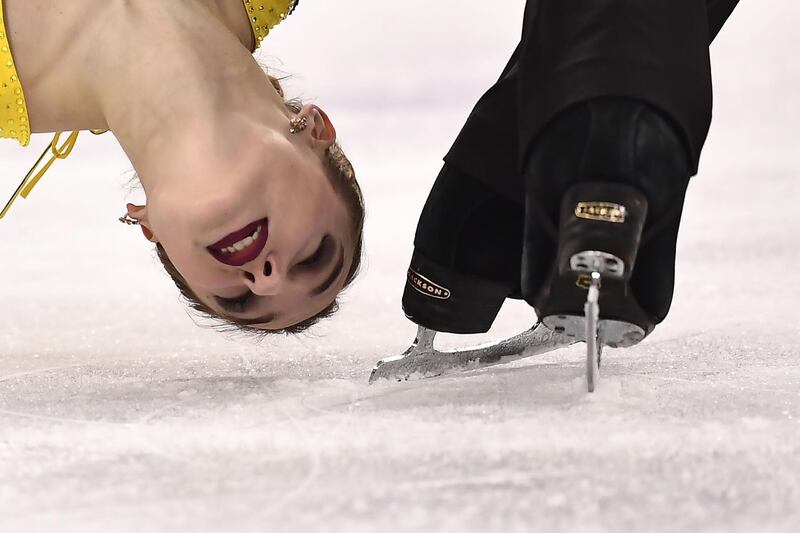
<point x="321" y="255"/>
<point x="234" y="305"/>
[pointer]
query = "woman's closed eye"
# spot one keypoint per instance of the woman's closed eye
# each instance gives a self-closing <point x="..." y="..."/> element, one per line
<point x="234" y="305"/>
<point x="320" y="255"/>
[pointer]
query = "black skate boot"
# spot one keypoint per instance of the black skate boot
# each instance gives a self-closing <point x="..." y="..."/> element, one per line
<point x="466" y="259"/>
<point x="605" y="184"/>
<point x="466" y="262"/>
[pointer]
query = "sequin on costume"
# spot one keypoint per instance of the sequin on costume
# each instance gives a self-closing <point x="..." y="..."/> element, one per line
<point x="14" y="123"/>
<point x="266" y="14"/>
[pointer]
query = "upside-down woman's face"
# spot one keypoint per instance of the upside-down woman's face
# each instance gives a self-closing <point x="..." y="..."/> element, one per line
<point x="256" y="229"/>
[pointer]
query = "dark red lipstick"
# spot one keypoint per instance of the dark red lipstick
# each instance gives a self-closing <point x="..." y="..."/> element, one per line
<point x="221" y="250"/>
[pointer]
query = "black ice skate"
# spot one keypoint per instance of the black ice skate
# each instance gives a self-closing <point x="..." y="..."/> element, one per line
<point x="466" y="262"/>
<point x="605" y="187"/>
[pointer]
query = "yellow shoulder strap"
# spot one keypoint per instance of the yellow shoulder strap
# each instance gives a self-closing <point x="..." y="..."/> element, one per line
<point x="58" y="152"/>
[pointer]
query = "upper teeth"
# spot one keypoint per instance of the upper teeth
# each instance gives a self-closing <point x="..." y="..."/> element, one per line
<point x="244" y="243"/>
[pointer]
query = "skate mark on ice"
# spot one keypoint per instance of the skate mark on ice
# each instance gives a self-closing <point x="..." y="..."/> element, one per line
<point x="725" y="383"/>
<point x="25" y="373"/>
<point x="45" y="418"/>
<point x="135" y="430"/>
<point x="145" y="419"/>
<point x="341" y="407"/>
<point x="315" y="460"/>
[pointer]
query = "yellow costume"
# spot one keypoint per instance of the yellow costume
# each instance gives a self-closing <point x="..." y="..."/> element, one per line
<point x="266" y="14"/>
<point x="13" y="111"/>
<point x="14" y="122"/>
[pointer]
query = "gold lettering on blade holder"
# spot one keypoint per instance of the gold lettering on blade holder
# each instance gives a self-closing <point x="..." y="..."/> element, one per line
<point x="603" y="211"/>
<point x="584" y="281"/>
<point x="426" y="286"/>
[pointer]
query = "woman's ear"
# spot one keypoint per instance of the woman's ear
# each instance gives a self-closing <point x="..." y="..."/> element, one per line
<point x="320" y="127"/>
<point x="139" y="213"/>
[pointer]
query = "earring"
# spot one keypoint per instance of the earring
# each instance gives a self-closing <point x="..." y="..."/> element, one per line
<point x="298" y="124"/>
<point x="126" y="219"/>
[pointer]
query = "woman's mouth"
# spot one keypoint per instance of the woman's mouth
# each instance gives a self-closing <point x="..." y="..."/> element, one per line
<point x="241" y="246"/>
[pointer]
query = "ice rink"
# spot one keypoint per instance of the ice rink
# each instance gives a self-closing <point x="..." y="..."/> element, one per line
<point x="117" y="413"/>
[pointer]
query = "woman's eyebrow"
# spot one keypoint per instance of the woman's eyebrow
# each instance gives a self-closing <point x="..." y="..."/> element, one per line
<point x="334" y="275"/>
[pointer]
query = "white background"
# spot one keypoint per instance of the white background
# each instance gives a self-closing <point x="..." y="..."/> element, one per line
<point x="118" y="413"/>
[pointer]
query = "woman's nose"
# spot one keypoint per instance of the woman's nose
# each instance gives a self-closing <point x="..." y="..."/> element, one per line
<point x="264" y="278"/>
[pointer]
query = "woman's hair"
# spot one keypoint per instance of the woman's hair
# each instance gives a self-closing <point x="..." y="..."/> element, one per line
<point x="340" y="172"/>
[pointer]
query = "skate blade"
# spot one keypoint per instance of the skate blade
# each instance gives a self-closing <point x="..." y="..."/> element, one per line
<point x="422" y="360"/>
<point x="612" y="333"/>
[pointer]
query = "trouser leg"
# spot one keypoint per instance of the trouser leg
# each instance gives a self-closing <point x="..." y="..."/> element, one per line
<point x="655" y="51"/>
<point x="468" y="243"/>
<point x="611" y="91"/>
<point x="572" y="51"/>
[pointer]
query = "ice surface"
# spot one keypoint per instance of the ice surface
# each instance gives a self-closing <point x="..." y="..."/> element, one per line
<point x="118" y="414"/>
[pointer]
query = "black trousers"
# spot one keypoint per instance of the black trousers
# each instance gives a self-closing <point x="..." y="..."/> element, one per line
<point x="574" y="50"/>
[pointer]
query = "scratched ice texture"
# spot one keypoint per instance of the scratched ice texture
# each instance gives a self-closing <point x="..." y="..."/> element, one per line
<point x="117" y="413"/>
